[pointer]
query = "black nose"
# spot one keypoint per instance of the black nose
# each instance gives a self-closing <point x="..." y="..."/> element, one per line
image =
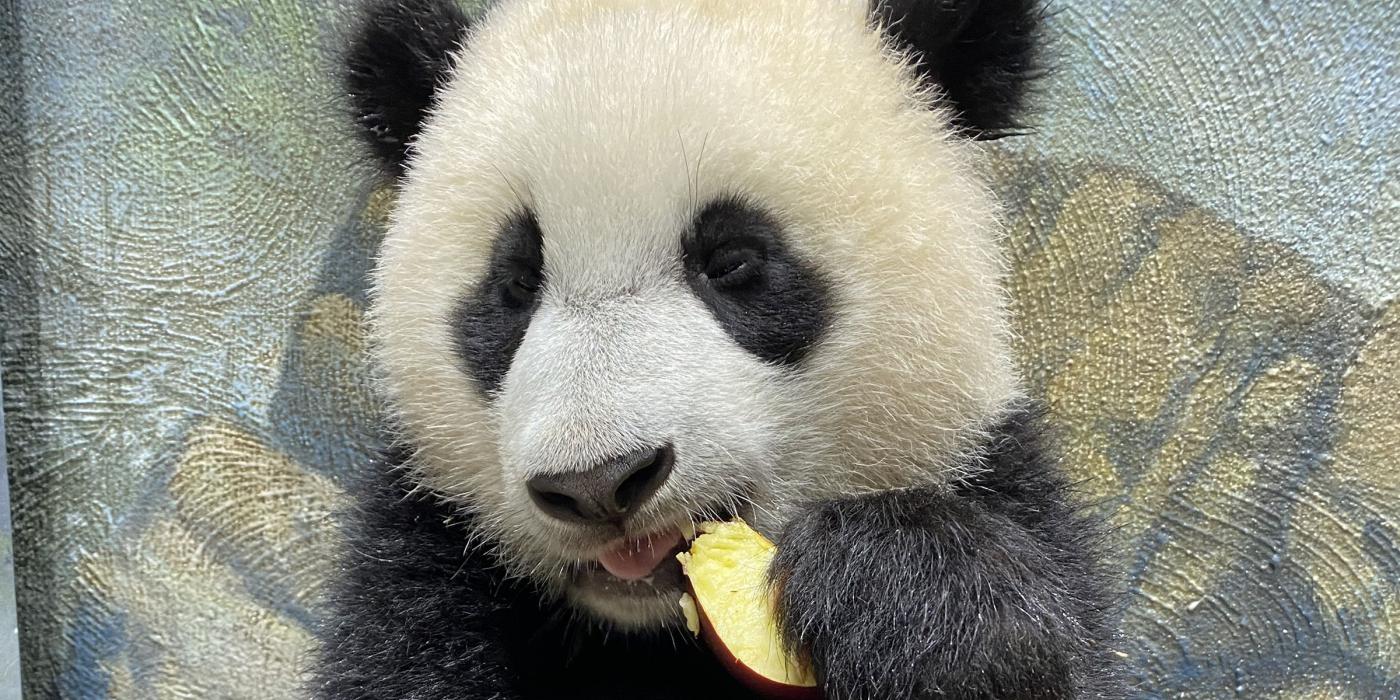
<point x="608" y="491"/>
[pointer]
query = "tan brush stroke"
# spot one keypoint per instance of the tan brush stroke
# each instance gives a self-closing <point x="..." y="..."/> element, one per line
<point x="259" y="511"/>
<point x="198" y="590"/>
<point x="191" y="629"/>
<point x="251" y="534"/>
<point x="1136" y="309"/>
<point x="338" y="321"/>
<point x="333" y="356"/>
<point x="1364" y="480"/>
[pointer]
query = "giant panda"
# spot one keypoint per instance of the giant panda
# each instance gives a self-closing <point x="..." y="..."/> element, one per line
<point x="652" y="262"/>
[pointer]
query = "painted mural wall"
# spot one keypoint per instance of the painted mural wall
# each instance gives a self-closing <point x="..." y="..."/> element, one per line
<point x="9" y="613"/>
<point x="1205" y="234"/>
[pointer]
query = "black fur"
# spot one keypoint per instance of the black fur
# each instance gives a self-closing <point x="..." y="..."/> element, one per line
<point x="982" y="53"/>
<point x="990" y="591"/>
<point x="415" y="614"/>
<point x="490" y="322"/>
<point x="771" y="302"/>
<point x="399" y="57"/>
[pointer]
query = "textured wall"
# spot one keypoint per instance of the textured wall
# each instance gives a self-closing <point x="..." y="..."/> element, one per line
<point x="9" y="619"/>
<point x="1205" y="241"/>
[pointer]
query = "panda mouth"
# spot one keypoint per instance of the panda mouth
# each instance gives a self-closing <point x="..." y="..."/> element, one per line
<point x="647" y="564"/>
<point x="635" y="559"/>
<point x="637" y="567"/>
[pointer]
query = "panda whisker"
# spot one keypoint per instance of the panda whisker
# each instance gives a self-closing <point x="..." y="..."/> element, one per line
<point x="699" y="165"/>
<point x="689" y="179"/>
<point x="511" y="186"/>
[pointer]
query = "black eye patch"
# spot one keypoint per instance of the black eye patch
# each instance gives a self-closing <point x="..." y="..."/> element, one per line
<point x="771" y="302"/>
<point x="490" y="321"/>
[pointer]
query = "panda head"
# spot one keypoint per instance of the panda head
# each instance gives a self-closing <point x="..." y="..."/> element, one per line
<point x="657" y="261"/>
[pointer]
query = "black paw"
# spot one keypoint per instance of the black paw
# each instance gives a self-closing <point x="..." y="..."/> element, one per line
<point x="914" y="594"/>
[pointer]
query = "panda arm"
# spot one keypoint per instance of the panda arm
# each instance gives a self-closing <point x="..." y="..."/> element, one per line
<point x="413" y="613"/>
<point x="990" y="591"/>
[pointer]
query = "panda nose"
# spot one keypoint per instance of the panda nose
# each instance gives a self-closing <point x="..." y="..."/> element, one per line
<point x="607" y="492"/>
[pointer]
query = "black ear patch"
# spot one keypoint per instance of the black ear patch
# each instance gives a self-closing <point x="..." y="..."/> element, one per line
<point x="983" y="54"/>
<point x="400" y="56"/>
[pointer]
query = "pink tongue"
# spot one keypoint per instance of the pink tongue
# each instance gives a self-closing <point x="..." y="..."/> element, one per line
<point x="635" y="559"/>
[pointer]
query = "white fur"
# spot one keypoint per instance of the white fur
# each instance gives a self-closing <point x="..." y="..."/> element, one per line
<point x="614" y="120"/>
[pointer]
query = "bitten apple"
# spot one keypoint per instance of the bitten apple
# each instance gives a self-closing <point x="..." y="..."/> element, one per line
<point x="731" y="607"/>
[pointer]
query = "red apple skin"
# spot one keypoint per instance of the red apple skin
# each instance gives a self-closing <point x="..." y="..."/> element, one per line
<point x="763" y="686"/>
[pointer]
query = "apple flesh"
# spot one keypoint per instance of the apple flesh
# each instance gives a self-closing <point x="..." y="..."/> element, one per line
<point x="731" y="607"/>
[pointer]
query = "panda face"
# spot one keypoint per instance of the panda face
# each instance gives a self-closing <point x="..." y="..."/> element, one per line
<point x="655" y="262"/>
<point x="681" y="346"/>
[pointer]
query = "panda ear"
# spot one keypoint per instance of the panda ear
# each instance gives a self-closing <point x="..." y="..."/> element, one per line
<point x="398" y="59"/>
<point x="983" y="54"/>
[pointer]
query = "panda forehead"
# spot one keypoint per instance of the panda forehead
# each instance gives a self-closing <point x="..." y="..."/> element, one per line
<point x="641" y="100"/>
<point x="607" y="250"/>
<point x="655" y="176"/>
<point x="619" y="209"/>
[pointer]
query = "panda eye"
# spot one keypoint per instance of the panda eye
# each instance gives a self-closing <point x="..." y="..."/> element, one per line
<point x="733" y="267"/>
<point x="767" y="297"/>
<point x="520" y="289"/>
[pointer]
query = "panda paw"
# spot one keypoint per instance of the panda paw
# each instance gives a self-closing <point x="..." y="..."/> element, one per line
<point x="915" y="594"/>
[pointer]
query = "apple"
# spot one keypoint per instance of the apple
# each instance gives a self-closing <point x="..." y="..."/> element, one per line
<point x="730" y="606"/>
